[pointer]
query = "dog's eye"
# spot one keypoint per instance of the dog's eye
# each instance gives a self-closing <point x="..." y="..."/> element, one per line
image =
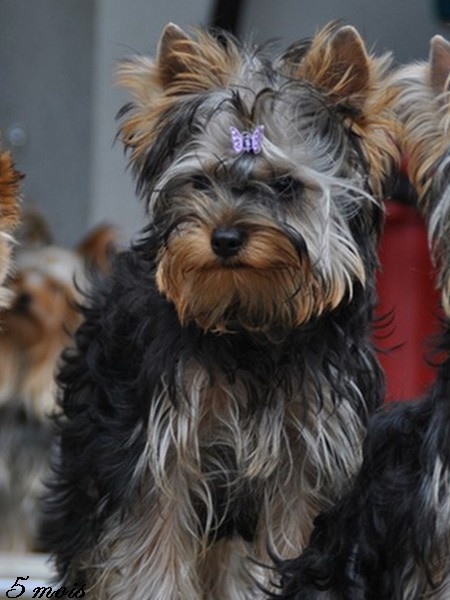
<point x="287" y="188"/>
<point x="201" y="183"/>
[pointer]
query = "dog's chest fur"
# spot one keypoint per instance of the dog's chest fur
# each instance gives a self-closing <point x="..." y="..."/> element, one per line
<point x="238" y="445"/>
<point x="240" y="438"/>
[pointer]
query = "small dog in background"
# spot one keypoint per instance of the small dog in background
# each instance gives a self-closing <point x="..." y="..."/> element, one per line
<point x="9" y="217"/>
<point x="218" y="393"/>
<point x="36" y="327"/>
<point x="389" y="538"/>
<point x="424" y="108"/>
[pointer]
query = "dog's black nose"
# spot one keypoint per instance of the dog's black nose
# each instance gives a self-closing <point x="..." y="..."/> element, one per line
<point x="227" y="241"/>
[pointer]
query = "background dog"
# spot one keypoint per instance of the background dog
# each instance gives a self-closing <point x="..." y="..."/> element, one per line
<point x="220" y="386"/>
<point x="35" y="328"/>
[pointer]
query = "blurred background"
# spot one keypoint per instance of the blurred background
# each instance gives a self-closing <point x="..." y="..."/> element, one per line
<point x="58" y="103"/>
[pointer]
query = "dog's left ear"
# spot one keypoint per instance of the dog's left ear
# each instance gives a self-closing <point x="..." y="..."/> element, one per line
<point x="337" y="63"/>
<point x="439" y="64"/>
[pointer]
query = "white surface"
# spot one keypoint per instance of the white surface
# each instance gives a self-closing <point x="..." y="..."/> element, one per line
<point x="34" y="566"/>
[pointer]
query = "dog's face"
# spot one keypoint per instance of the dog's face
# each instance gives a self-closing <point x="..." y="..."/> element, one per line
<point x="258" y="175"/>
<point x="43" y="312"/>
<point x="47" y="285"/>
<point x="423" y="106"/>
<point x="9" y="216"/>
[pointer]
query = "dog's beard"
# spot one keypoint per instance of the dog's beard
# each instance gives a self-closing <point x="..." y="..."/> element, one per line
<point x="269" y="285"/>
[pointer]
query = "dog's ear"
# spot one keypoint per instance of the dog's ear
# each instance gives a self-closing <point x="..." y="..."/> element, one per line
<point x="148" y="78"/>
<point x="98" y="247"/>
<point x="439" y="64"/>
<point x="337" y="63"/>
<point x="348" y="73"/>
<point x="188" y="66"/>
<point x="175" y="50"/>
<point x="183" y="65"/>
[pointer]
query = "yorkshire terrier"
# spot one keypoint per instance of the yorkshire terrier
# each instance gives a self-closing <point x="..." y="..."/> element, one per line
<point x="9" y="218"/>
<point x="35" y="329"/>
<point x="389" y="538"/>
<point x="221" y="382"/>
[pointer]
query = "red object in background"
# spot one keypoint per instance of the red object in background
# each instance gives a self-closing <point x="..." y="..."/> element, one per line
<point x="406" y="290"/>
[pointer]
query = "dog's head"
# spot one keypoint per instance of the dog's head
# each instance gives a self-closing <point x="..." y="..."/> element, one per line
<point x="423" y="106"/>
<point x="43" y="311"/>
<point x="259" y="174"/>
<point x="47" y="284"/>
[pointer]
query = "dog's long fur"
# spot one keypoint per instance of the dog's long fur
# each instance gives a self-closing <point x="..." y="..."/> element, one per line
<point x="215" y="404"/>
<point x="390" y="537"/>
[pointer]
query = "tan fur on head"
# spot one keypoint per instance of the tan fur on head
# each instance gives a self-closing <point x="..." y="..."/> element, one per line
<point x="336" y="63"/>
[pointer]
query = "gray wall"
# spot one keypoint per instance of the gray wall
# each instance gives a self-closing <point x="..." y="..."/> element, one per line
<point x="45" y="89"/>
<point x="401" y="26"/>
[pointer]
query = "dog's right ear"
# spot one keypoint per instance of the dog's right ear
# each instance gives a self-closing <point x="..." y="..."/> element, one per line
<point x="174" y="49"/>
<point x="148" y="78"/>
<point x="183" y="65"/>
<point x="439" y="64"/>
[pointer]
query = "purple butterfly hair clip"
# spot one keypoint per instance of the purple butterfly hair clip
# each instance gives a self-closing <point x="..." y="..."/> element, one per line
<point x="245" y="141"/>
